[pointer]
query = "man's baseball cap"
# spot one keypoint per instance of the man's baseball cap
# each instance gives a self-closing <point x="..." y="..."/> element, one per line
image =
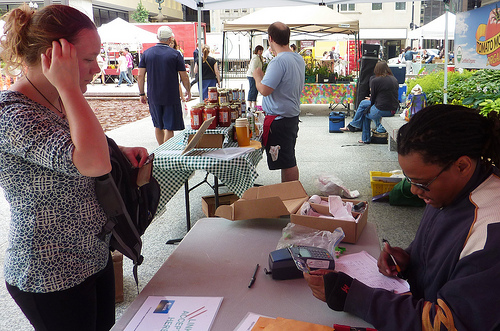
<point x="164" y="32"/>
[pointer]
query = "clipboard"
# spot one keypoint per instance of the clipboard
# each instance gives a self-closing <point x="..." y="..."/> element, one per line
<point x="201" y="131"/>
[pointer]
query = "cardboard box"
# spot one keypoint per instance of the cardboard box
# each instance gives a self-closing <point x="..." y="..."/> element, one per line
<point x="208" y="140"/>
<point x="208" y="202"/>
<point x="273" y="201"/>
<point x="270" y="201"/>
<point x="352" y="230"/>
<point x="118" y="267"/>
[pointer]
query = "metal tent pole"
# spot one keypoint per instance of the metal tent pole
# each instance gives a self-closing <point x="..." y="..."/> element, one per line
<point x="200" y="52"/>
<point x="446" y="59"/>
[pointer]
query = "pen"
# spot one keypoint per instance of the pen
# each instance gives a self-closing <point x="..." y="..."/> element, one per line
<point x="392" y="257"/>
<point x="252" y="280"/>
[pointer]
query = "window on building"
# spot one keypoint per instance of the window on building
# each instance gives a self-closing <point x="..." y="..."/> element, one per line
<point x="400" y="5"/>
<point x="106" y="15"/>
<point x="377" y="6"/>
<point x="348" y="7"/>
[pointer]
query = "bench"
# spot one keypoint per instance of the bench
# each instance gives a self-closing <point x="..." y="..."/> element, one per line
<point x="392" y="125"/>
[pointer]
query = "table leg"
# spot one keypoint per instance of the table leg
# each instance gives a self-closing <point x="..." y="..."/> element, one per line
<point x="188" y="213"/>
<point x="215" y="188"/>
<point x="216" y="191"/>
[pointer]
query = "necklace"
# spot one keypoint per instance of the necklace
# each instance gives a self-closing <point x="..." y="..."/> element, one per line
<point x="60" y="104"/>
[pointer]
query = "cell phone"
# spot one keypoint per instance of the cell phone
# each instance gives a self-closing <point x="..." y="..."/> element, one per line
<point x="150" y="158"/>
<point x="309" y="258"/>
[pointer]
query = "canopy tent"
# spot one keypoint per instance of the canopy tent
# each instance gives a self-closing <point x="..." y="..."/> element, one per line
<point x="435" y="29"/>
<point x="305" y="22"/>
<point x="311" y="20"/>
<point x="120" y="31"/>
<point x="200" y="5"/>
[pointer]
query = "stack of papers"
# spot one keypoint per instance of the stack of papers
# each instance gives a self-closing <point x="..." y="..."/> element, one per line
<point x="175" y="313"/>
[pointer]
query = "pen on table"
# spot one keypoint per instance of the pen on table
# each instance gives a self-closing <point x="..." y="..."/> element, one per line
<point x="252" y="280"/>
<point x="392" y="257"/>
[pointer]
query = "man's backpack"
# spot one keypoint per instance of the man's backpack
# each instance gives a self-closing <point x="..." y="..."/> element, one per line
<point x="130" y="208"/>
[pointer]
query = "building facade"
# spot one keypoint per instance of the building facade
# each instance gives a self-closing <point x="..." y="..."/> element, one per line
<point x="104" y="11"/>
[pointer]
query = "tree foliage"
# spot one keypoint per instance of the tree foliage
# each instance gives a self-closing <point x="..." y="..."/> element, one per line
<point x="141" y="15"/>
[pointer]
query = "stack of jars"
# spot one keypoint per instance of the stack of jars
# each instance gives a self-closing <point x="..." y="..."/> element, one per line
<point x="226" y="105"/>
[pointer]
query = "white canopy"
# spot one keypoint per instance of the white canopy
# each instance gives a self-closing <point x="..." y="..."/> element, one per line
<point x="234" y="4"/>
<point x="315" y="20"/>
<point x="120" y="31"/>
<point x="435" y="29"/>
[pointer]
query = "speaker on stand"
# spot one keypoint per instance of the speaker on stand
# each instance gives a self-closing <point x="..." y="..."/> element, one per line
<point x="367" y="64"/>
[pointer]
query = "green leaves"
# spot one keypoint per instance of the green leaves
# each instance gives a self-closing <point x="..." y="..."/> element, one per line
<point x="141" y="15"/>
<point x="476" y="89"/>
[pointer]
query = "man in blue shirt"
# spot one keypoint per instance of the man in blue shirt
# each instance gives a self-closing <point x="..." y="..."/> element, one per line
<point x="281" y="87"/>
<point x="409" y="59"/>
<point x="163" y="66"/>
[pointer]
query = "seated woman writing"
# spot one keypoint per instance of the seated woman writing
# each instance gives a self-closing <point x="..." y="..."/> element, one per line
<point x="383" y="102"/>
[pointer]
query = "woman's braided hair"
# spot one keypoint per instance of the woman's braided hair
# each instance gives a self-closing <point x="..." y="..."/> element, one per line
<point x="443" y="133"/>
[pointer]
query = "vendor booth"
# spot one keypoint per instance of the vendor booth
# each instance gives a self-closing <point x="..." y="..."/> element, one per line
<point x="117" y="35"/>
<point x="314" y="22"/>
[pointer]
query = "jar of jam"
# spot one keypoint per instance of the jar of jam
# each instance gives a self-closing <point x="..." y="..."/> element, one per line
<point x="213" y="95"/>
<point x="209" y="112"/>
<point x="222" y="97"/>
<point x="236" y="95"/>
<point x="224" y="115"/>
<point x="197" y="116"/>
<point x="235" y="110"/>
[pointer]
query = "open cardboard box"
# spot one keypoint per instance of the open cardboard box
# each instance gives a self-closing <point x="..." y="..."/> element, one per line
<point x="212" y="140"/>
<point x="208" y="202"/>
<point x="352" y="230"/>
<point x="273" y="201"/>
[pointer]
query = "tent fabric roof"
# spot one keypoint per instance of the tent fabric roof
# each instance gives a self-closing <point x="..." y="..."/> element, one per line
<point x="120" y="31"/>
<point x="235" y="4"/>
<point x="435" y="29"/>
<point x="318" y="20"/>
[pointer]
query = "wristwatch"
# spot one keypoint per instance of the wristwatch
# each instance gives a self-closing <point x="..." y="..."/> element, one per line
<point x="141" y="94"/>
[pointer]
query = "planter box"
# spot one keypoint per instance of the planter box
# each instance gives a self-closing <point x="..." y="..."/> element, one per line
<point x="323" y="79"/>
<point x="310" y="79"/>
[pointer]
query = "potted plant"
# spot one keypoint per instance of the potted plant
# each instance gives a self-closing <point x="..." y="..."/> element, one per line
<point x="323" y="74"/>
<point x="344" y="79"/>
<point x="333" y="77"/>
<point x="311" y="71"/>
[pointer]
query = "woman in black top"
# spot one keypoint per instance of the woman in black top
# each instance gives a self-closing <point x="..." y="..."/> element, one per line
<point x="210" y="71"/>
<point x="383" y="102"/>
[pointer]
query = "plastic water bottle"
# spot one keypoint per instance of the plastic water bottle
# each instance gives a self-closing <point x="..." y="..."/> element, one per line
<point x="403" y="98"/>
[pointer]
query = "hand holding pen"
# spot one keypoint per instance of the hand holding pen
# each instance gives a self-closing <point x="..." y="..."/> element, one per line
<point x="392" y="260"/>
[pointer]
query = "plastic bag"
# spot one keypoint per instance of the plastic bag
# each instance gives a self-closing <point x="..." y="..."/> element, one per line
<point x="295" y="234"/>
<point x="332" y="185"/>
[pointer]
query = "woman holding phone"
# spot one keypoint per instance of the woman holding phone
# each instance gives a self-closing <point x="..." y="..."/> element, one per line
<point x="51" y="147"/>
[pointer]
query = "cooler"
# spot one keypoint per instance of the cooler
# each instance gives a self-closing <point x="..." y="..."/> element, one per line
<point x="399" y="72"/>
<point x="337" y="121"/>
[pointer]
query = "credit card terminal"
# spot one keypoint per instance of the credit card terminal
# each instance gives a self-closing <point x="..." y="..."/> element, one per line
<point x="309" y="258"/>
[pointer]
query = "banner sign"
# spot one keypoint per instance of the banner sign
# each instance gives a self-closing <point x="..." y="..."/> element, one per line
<point x="477" y="38"/>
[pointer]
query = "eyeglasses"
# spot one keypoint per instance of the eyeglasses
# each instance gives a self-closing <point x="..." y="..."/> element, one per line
<point x="425" y="187"/>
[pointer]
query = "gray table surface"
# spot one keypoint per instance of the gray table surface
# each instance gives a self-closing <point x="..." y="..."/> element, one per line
<point x="218" y="257"/>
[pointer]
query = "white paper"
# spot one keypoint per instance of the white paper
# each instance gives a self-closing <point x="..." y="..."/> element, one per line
<point x="229" y="153"/>
<point x="175" y="313"/>
<point x="363" y="267"/>
<point x="170" y="152"/>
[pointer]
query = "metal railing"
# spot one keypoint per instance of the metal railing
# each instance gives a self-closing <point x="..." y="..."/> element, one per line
<point x="235" y="68"/>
